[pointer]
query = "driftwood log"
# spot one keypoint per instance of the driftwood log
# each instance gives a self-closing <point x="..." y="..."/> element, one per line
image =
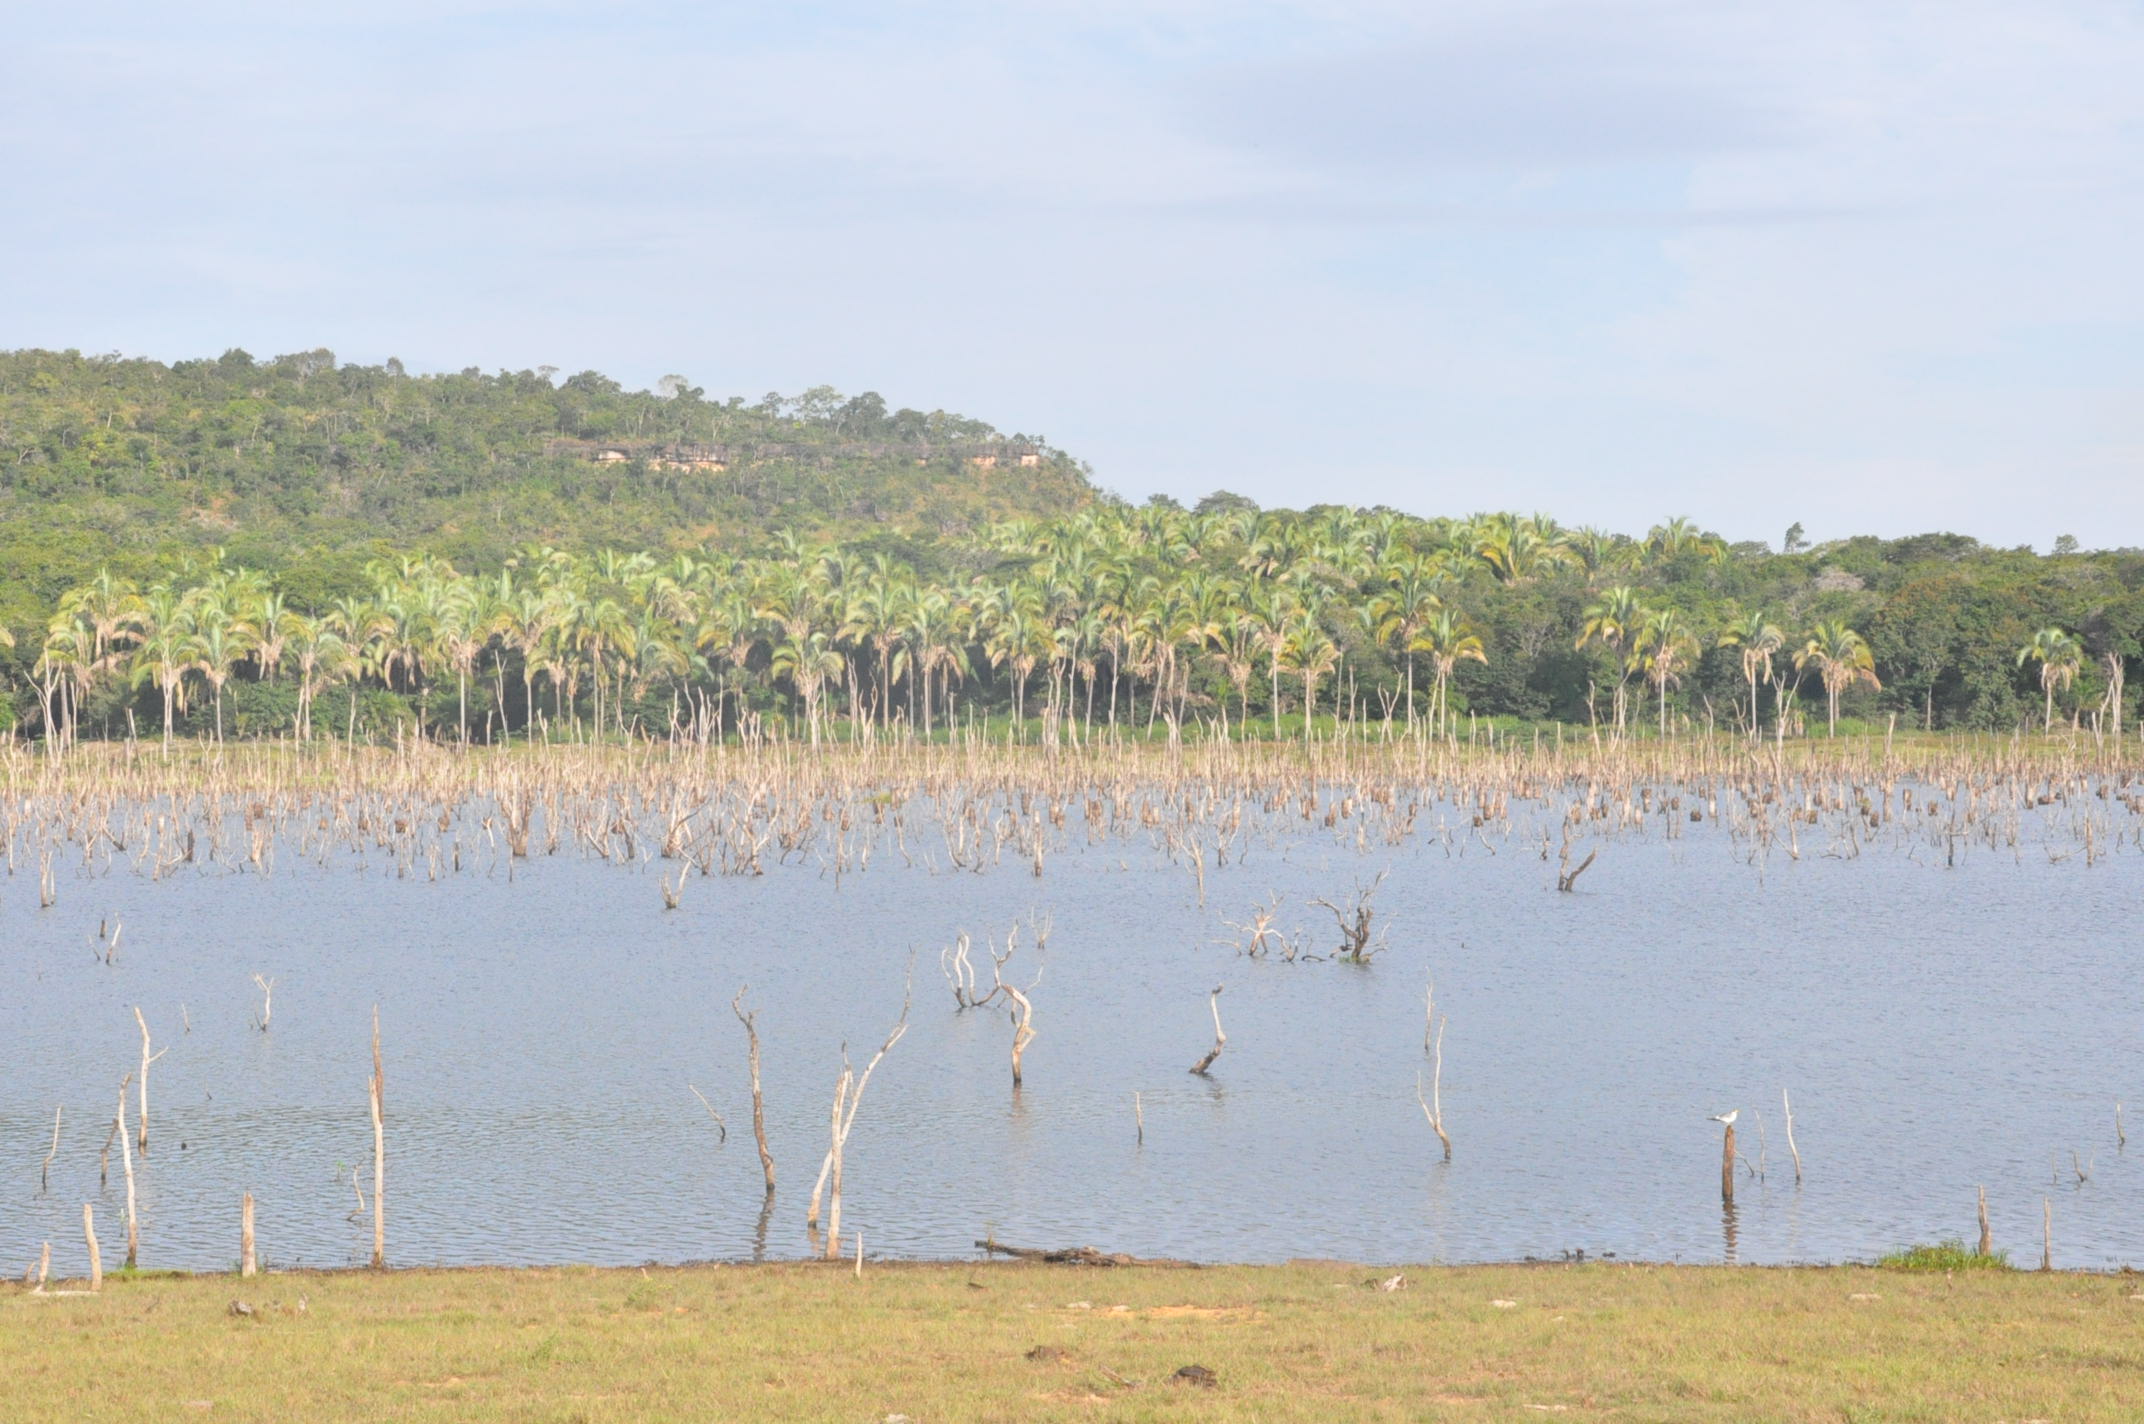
<point x="1079" y="1256"/>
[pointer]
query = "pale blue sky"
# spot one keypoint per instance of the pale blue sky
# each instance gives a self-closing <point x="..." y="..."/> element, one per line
<point x="1870" y="266"/>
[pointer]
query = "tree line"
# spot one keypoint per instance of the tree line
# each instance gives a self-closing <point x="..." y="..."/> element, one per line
<point x="1110" y="620"/>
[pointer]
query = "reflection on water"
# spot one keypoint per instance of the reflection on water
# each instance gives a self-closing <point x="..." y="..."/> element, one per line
<point x="541" y="1022"/>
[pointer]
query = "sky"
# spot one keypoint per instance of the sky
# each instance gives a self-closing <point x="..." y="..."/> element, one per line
<point x="1867" y="265"/>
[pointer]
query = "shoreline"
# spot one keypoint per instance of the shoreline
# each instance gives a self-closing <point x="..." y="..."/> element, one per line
<point x="847" y="1266"/>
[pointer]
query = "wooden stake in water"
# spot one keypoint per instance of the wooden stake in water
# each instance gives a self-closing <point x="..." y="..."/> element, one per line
<point x="96" y="1258"/>
<point x="2047" y="1234"/>
<point x="245" y="1235"/>
<point x="1727" y="1160"/>
<point x="1987" y="1238"/>
<point x="1139" y="1118"/>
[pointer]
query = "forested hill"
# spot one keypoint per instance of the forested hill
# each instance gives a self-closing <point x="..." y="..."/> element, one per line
<point x="620" y="555"/>
<point x="105" y="460"/>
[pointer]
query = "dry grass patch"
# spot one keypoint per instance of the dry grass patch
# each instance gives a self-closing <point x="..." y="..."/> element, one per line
<point x="940" y="1342"/>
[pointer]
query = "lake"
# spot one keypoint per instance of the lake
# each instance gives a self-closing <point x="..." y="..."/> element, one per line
<point x="544" y="1022"/>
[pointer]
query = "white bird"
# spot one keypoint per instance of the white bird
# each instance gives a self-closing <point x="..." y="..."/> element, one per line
<point x="1727" y="1118"/>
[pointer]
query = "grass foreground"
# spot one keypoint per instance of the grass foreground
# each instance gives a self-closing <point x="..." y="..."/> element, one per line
<point x="1019" y="1341"/>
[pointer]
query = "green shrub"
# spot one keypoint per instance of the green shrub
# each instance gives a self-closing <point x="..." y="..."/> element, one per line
<point x="1948" y="1255"/>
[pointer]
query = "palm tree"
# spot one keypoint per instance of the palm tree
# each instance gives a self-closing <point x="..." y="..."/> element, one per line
<point x="464" y="628"/>
<point x="1400" y="613"/>
<point x="1663" y="645"/>
<point x="873" y="620"/>
<point x="2059" y="656"/>
<point x="1842" y="658"/>
<point x="221" y="639"/>
<point x="1234" y="639"/>
<point x="808" y="665"/>
<point x="366" y="630"/>
<point x="65" y="666"/>
<point x="1310" y="653"/>
<point x="317" y="648"/>
<point x="1615" y="620"/>
<point x="793" y="597"/>
<point x="1517" y="548"/>
<point x="598" y="627"/>
<point x="160" y="654"/>
<point x="1758" y="639"/>
<point x="1599" y="552"/>
<point x="934" y="633"/>
<point x="1448" y="643"/>
<point x="110" y="607"/>
<point x="1269" y="624"/>
<point x="1016" y="636"/>
<point x="407" y="632"/>
<point x="1678" y="538"/>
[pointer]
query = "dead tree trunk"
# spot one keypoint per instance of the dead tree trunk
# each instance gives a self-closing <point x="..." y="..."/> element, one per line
<point x="245" y="1235"/>
<point x="847" y="1099"/>
<point x="1566" y="875"/>
<point x="379" y="1150"/>
<point x="1433" y="1106"/>
<point x="1788" y="1108"/>
<point x="96" y="1257"/>
<point x="126" y="1161"/>
<point x="1220" y="1039"/>
<point x="141" y="1127"/>
<point x="759" y="1107"/>
<point x="44" y="1173"/>
<point x="1023" y="1032"/>
<point x="833" y="1136"/>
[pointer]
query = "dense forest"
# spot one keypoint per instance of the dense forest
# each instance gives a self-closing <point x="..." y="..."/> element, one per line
<point x="300" y="460"/>
<point x="240" y="548"/>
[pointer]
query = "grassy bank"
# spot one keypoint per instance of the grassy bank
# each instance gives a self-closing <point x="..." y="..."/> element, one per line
<point x="939" y="1342"/>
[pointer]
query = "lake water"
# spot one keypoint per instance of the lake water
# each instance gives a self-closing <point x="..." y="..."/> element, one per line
<point x="1939" y="1029"/>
